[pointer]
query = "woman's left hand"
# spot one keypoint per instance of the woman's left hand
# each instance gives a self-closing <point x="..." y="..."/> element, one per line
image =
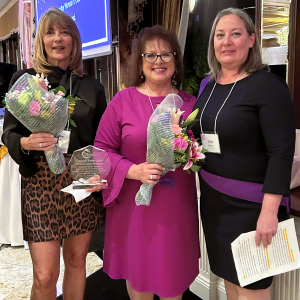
<point x="267" y="223"/>
<point x="97" y="181"/>
<point x="266" y="228"/>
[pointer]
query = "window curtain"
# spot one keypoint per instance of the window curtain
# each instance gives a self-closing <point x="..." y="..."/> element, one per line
<point x="27" y="30"/>
<point x="135" y="14"/>
<point x="9" y="22"/>
<point x="168" y="14"/>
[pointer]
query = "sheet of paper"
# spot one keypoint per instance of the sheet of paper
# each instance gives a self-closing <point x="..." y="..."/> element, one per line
<point x="254" y="263"/>
<point x="78" y="194"/>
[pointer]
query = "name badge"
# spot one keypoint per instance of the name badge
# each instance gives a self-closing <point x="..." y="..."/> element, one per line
<point x="210" y="141"/>
<point x="64" y="140"/>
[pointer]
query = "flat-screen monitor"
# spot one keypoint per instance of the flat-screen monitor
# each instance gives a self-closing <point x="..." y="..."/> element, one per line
<point x="92" y="18"/>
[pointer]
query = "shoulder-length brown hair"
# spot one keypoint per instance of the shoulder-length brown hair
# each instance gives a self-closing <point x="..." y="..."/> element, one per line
<point x="56" y="17"/>
<point x="253" y="62"/>
<point x="149" y="34"/>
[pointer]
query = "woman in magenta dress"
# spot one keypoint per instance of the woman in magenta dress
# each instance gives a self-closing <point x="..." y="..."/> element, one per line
<point x="155" y="248"/>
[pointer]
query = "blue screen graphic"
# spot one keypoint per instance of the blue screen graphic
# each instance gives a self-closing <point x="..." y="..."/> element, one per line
<point x="92" y="18"/>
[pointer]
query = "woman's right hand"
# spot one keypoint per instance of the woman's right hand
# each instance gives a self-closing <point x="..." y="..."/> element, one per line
<point x="41" y="141"/>
<point x="146" y="173"/>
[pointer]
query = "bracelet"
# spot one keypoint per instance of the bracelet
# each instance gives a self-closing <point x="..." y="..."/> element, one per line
<point x="24" y="151"/>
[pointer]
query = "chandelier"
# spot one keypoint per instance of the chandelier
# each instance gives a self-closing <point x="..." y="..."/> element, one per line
<point x="282" y="36"/>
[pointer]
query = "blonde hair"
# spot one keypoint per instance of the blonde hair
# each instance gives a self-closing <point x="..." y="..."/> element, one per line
<point x="55" y="17"/>
<point x="253" y="62"/>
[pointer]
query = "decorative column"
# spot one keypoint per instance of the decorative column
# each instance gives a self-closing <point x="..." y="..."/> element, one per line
<point x="287" y="286"/>
<point x="207" y="285"/>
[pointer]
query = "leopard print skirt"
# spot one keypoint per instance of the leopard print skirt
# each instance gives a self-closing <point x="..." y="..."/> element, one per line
<point x="49" y="214"/>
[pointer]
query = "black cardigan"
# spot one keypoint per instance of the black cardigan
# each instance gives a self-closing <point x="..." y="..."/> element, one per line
<point x="87" y="115"/>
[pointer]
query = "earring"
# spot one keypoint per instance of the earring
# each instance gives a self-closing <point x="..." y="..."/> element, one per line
<point x="174" y="82"/>
<point x="175" y="73"/>
<point x="142" y="74"/>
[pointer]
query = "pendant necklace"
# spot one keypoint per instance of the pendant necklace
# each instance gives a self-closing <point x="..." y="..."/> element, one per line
<point x="150" y="98"/>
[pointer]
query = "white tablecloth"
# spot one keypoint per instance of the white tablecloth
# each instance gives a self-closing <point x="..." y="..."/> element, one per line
<point x="11" y="231"/>
<point x="295" y="182"/>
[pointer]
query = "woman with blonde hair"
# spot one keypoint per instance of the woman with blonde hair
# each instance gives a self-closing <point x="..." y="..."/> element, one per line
<point x="51" y="217"/>
<point x="247" y="123"/>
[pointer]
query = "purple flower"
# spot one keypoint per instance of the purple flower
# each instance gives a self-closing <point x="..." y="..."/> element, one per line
<point x="34" y="108"/>
<point x="189" y="132"/>
<point x="19" y="88"/>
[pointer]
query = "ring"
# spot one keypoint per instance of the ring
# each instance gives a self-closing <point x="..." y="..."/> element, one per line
<point x="41" y="145"/>
<point x="151" y="177"/>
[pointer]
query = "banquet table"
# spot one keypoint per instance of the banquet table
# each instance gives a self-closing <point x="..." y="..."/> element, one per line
<point x="10" y="200"/>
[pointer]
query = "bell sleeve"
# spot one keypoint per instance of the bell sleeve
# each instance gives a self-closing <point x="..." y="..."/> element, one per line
<point x="109" y="138"/>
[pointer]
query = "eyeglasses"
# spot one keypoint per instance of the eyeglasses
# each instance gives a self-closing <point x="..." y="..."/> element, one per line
<point x="152" y="57"/>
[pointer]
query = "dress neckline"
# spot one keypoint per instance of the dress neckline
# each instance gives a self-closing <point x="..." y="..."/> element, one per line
<point x="156" y="99"/>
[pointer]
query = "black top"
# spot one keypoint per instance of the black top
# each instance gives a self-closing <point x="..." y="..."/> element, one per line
<point x="256" y="130"/>
<point x="86" y="115"/>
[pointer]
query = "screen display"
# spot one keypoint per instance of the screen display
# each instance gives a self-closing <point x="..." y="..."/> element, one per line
<point x="92" y="19"/>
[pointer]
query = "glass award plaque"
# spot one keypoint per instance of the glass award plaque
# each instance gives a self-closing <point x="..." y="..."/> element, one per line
<point x="87" y="162"/>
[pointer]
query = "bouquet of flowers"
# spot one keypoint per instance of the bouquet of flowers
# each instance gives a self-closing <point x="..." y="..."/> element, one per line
<point x="40" y="110"/>
<point x="165" y="145"/>
<point x="186" y="148"/>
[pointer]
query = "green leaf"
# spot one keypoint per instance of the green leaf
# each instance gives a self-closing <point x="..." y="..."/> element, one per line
<point x="204" y="150"/>
<point x="3" y="101"/>
<point x="195" y="168"/>
<point x="188" y="124"/>
<point x="72" y="123"/>
<point x="33" y="83"/>
<point x="59" y="88"/>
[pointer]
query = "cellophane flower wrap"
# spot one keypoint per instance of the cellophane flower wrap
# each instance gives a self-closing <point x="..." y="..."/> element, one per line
<point x="159" y="143"/>
<point x="39" y="110"/>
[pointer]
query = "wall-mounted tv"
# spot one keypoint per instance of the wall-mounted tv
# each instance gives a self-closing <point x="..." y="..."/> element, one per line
<point x="93" y="21"/>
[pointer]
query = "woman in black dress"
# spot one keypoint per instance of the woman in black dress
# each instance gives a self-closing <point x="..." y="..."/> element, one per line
<point x="247" y="113"/>
<point x="49" y="215"/>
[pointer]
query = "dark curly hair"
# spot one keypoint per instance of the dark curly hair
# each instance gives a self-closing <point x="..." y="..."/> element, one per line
<point x="149" y="34"/>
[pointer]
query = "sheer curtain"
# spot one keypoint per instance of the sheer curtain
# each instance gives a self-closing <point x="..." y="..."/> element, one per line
<point x="27" y="30"/>
<point x="171" y="10"/>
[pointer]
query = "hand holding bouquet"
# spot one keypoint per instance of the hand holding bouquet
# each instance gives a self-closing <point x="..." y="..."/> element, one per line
<point x="170" y="144"/>
<point x="39" y="110"/>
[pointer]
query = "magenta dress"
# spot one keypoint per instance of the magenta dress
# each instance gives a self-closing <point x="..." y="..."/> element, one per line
<point x="156" y="247"/>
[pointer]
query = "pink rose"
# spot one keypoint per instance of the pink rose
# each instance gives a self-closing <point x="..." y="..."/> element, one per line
<point x="60" y="93"/>
<point x="176" y="129"/>
<point x="179" y="143"/>
<point x="34" y="108"/>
